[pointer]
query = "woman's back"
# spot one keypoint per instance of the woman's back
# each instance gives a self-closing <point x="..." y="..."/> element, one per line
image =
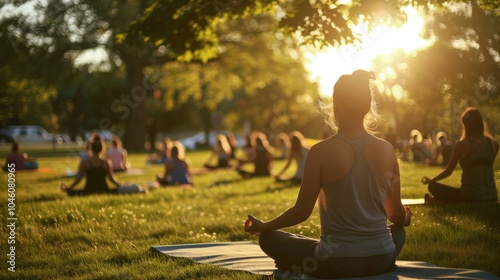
<point x="179" y="172"/>
<point x="117" y="157"/>
<point x="352" y="197"/>
<point x="262" y="161"/>
<point x="478" y="179"/>
<point x="17" y="159"/>
<point x="95" y="176"/>
<point x="339" y="157"/>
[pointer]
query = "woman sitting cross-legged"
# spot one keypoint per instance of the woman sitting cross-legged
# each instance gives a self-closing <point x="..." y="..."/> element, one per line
<point x="354" y="177"/>
<point x="95" y="170"/>
<point x="298" y="151"/>
<point x="476" y="152"/>
<point x="261" y="158"/>
<point x="221" y="152"/>
<point x="176" y="168"/>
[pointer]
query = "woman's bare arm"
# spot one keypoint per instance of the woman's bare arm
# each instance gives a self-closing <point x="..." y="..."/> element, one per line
<point x="111" y="173"/>
<point x="304" y="205"/>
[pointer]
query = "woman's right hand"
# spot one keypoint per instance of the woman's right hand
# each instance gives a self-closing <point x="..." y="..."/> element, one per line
<point x="408" y="215"/>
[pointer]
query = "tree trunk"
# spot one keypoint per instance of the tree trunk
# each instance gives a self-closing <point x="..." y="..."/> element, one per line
<point x="135" y="101"/>
<point x="207" y="123"/>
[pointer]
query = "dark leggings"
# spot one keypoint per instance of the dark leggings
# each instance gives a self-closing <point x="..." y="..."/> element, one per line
<point x="446" y="193"/>
<point x="296" y="253"/>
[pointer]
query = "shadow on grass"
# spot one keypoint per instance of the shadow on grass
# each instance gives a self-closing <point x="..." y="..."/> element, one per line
<point x="41" y="198"/>
<point x="52" y="179"/>
<point x="162" y="233"/>
<point x="224" y="182"/>
<point x="470" y="225"/>
<point x="484" y="212"/>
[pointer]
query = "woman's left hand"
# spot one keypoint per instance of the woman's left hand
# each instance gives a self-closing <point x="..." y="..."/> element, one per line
<point x="254" y="225"/>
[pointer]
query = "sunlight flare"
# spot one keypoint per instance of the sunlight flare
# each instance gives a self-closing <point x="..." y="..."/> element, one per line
<point x="327" y="65"/>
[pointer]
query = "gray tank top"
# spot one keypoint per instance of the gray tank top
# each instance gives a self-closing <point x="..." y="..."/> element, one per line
<point x="352" y="210"/>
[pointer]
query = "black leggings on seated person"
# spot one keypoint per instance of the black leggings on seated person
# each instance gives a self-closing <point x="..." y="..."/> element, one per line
<point x="446" y="193"/>
<point x="296" y="253"/>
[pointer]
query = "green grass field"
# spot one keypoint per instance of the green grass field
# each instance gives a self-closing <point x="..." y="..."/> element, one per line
<point x="110" y="237"/>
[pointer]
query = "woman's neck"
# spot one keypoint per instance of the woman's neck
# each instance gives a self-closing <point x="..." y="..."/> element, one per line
<point x="352" y="128"/>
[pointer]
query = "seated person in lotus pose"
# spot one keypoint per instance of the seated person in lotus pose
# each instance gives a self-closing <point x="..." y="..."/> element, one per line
<point x="298" y="151"/>
<point x="95" y="170"/>
<point x="354" y="176"/>
<point x="117" y="155"/>
<point x="221" y="152"/>
<point x="176" y="169"/>
<point x="476" y="152"/>
<point x="282" y="145"/>
<point x="21" y="161"/>
<point x="248" y="149"/>
<point x="233" y="143"/>
<point x="162" y="154"/>
<point x="444" y="150"/>
<point x="261" y="158"/>
<point x="420" y="147"/>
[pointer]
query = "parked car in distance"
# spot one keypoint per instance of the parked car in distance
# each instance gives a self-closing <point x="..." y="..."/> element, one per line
<point x="192" y="142"/>
<point x="35" y="133"/>
<point x="6" y="136"/>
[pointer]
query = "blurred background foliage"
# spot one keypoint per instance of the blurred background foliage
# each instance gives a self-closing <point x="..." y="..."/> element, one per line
<point x="140" y="67"/>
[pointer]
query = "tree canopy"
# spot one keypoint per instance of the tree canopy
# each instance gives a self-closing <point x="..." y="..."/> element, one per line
<point x="188" y="27"/>
<point x="166" y="58"/>
<point x="460" y="69"/>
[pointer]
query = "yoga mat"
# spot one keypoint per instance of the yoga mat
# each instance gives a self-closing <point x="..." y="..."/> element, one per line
<point x="44" y="170"/>
<point x="134" y="171"/>
<point x="413" y="201"/>
<point x="247" y="256"/>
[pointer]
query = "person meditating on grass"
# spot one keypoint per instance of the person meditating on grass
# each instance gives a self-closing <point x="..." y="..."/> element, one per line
<point x="21" y="161"/>
<point x="261" y="158"/>
<point x="476" y="152"/>
<point x="95" y="169"/>
<point x="298" y="151"/>
<point x="221" y="153"/>
<point x="355" y="178"/>
<point x="176" y="169"/>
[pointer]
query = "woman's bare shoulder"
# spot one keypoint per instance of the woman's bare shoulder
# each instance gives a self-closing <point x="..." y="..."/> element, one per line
<point x="381" y="143"/>
<point x="329" y="146"/>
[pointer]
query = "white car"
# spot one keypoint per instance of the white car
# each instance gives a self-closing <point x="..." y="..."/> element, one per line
<point x="199" y="138"/>
<point x="35" y="133"/>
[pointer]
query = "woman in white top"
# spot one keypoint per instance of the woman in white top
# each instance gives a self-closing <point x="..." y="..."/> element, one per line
<point x="298" y="151"/>
<point x="354" y="176"/>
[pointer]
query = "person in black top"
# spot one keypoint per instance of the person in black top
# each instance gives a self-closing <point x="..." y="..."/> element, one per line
<point x="95" y="170"/>
<point x="261" y="157"/>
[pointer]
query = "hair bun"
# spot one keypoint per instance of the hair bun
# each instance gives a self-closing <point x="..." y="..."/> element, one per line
<point x="363" y="74"/>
